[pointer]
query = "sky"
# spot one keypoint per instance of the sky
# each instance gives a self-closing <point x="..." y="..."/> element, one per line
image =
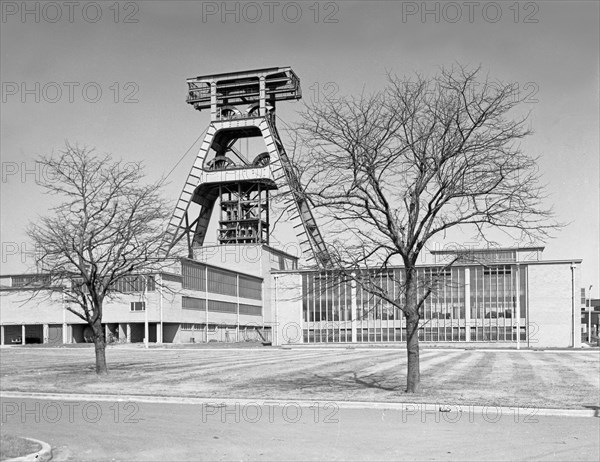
<point x="113" y="76"/>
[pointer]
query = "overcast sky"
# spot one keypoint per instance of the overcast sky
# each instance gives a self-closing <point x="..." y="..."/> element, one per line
<point x="55" y="57"/>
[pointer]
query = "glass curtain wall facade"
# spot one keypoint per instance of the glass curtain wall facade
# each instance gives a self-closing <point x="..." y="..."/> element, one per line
<point x="467" y="303"/>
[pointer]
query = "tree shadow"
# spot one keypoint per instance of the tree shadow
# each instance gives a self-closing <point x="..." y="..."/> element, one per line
<point x="344" y="382"/>
<point x="371" y="382"/>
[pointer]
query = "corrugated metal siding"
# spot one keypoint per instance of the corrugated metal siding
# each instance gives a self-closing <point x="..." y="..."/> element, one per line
<point x="193" y="303"/>
<point x="250" y="310"/>
<point x="222" y="307"/>
<point x="222" y="282"/>
<point x="130" y="284"/>
<point x="194" y="275"/>
<point x="250" y="288"/>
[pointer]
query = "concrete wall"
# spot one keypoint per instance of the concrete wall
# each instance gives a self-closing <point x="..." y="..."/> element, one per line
<point x="28" y="307"/>
<point x="247" y="258"/>
<point x="550" y="292"/>
<point x="286" y="299"/>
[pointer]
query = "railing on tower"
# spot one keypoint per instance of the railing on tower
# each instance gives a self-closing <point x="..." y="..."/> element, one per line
<point x="231" y="89"/>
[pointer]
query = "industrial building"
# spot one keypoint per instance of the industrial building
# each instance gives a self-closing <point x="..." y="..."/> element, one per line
<point x="511" y="300"/>
<point x="503" y="297"/>
<point x="244" y="289"/>
<point x="189" y="302"/>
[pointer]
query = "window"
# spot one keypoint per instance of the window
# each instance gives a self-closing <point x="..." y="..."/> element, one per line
<point x="129" y="284"/>
<point x="138" y="306"/>
<point x="222" y="307"/>
<point x="500" y="270"/>
<point x="194" y="275"/>
<point x="250" y="287"/>
<point x="35" y="280"/>
<point x="222" y="282"/>
<point x="193" y="303"/>
<point x="188" y="326"/>
<point x="250" y="310"/>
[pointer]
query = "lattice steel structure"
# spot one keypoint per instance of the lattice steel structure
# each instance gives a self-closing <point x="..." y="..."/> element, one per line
<point x="242" y="106"/>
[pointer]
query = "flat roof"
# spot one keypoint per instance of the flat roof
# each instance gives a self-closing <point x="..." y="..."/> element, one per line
<point x="489" y="249"/>
<point x="240" y="74"/>
<point x="436" y="265"/>
<point x="151" y="273"/>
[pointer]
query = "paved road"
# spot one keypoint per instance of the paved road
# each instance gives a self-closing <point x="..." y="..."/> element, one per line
<point x="106" y="431"/>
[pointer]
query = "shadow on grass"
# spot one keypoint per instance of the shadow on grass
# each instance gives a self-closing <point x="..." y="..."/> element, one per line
<point x="345" y="382"/>
<point x="372" y="382"/>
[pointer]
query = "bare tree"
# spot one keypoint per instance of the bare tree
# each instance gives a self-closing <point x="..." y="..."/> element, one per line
<point x="391" y="170"/>
<point x="107" y="231"/>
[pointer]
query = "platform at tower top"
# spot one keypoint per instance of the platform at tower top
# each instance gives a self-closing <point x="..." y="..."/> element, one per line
<point x="233" y="88"/>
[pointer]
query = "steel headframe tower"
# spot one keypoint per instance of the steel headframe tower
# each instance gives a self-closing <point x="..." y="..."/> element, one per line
<point x="242" y="106"/>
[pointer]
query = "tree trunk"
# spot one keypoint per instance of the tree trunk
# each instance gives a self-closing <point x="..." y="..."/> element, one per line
<point x="413" y="375"/>
<point x="100" y="347"/>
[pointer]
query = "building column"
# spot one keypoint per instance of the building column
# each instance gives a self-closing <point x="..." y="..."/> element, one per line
<point x="45" y="333"/>
<point x="128" y="333"/>
<point x="575" y="314"/>
<point x="22" y="334"/>
<point x="146" y="328"/>
<point x="205" y="306"/>
<point x="275" y="313"/>
<point x="159" y="325"/>
<point x="467" y="296"/>
<point x="65" y="333"/>
<point x="353" y="309"/>
<point x="518" y="307"/>
<point x="159" y="332"/>
<point x="1" y="334"/>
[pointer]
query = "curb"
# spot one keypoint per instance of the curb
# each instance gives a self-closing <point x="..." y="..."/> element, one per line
<point x="405" y="407"/>
<point x="370" y="347"/>
<point x="328" y="347"/>
<point x="43" y="455"/>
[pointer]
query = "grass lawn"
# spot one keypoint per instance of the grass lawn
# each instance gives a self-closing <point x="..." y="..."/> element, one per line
<point x="13" y="446"/>
<point x="554" y="379"/>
